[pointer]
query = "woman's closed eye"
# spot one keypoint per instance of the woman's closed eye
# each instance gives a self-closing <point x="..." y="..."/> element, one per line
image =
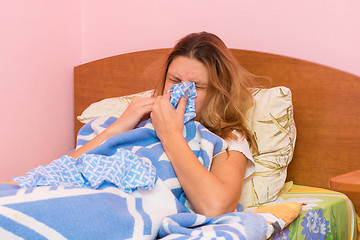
<point x="200" y="86"/>
<point x="175" y="80"/>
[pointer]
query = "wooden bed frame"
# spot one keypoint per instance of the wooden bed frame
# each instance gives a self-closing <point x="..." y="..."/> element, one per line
<point x="326" y="106"/>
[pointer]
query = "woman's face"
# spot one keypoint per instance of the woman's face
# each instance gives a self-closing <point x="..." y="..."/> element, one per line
<point x="185" y="69"/>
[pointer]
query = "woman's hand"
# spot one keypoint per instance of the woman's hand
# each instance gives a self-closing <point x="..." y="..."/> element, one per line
<point x="138" y="109"/>
<point x="168" y="121"/>
<point x="199" y="184"/>
<point x="134" y="113"/>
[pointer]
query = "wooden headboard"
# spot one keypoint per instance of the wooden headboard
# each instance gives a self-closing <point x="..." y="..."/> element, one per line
<point x="326" y="105"/>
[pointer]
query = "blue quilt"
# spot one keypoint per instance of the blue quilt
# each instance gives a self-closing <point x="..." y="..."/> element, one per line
<point x="124" y="189"/>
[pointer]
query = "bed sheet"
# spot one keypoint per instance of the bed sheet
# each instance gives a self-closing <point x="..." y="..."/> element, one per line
<point x="327" y="215"/>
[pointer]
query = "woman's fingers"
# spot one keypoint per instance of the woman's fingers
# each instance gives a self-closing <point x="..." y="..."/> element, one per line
<point x="167" y="95"/>
<point x="137" y="111"/>
<point x="140" y="107"/>
<point x="182" y="104"/>
<point x="141" y="102"/>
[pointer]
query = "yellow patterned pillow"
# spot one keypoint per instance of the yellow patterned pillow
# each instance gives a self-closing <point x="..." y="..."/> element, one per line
<point x="274" y="133"/>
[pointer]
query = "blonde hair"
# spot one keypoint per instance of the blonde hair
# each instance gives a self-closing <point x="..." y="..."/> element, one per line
<point x="228" y="93"/>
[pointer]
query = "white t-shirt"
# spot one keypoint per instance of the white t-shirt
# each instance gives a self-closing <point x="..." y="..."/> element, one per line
<point x="242" y="145"/>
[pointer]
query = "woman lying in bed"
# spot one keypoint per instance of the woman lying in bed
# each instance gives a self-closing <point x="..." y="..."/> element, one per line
<point x="220" y="105"/>
<point x="222" y="99"/>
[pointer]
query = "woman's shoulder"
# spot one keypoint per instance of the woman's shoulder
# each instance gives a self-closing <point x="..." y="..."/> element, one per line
<point x="238" y="142"/>
<point x="242" y="145"/>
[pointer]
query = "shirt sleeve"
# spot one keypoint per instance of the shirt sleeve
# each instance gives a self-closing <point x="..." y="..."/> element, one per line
<point x="241" y="144"/>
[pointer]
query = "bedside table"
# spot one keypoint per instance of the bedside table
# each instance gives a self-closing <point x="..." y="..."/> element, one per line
<point x="349" y="184"/>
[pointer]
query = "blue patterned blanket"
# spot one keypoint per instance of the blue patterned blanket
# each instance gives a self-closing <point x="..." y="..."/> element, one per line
<point x="124" y="189"/>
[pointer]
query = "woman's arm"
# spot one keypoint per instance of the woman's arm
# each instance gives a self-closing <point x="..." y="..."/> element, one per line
<point x="211" y="193"/>
<point x="134" y="113"/>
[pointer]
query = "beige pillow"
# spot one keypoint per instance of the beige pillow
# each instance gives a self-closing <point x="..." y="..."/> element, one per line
<point x="274" y="133"/>
<point x="110" y="107"/>
<point x="270" y="121"/>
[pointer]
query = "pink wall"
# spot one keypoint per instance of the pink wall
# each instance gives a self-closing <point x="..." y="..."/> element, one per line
<point x="40" y="42"/>
<point x="325" y="31"/>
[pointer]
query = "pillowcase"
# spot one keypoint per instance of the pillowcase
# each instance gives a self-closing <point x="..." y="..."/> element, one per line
<point x="273" y="129"/>
<point x="110" y="107"/>
<point x="274" y="133"/>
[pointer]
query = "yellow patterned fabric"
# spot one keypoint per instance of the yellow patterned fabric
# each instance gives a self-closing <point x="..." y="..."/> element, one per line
<point x="326" y="215"/>
<point x="274" y="133"/>
<point x="311" y="213"/>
